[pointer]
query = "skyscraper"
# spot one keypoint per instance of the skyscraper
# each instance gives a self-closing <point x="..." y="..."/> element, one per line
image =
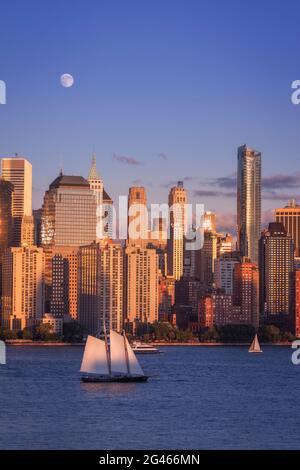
<point x="96" y="185"/>
<point x="64" y="280"/>
<point x="69" y="213"/>
<point x="223" y="274"/>
<point x="246" y="293"/>
<point x="248" y="202"/>
<point x="141" y="284"/>
<point x="276" y="268"/>
<point x="18" y="171"/>
<point x="100" y="286"/>
<point x="290" y="217"/>
<point x="23" y="287"/>
<point x="178" y="227"/>
<point x="208" y="255"/>
<point x="137" y="216"/>
<point x="6" y="201"/>
<point x="6" y="225"/>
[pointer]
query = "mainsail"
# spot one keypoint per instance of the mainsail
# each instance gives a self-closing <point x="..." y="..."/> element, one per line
<point x="255" y="347"/>
<point x="117" y="353"/>
<point x="134" y="366"/>
<point x="119" y="360"/>
<point x="94" y="359"/>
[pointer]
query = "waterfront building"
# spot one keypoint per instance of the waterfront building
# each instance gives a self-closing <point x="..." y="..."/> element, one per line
<point x="23" y="287"/>
<point x="64" y="280"/>
<point x="141" y="284"/>
<point x="55" y="323"/>
<point x="100" y="286"/>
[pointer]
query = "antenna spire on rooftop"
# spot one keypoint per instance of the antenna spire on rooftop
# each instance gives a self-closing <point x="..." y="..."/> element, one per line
<point x="93" y="174"/>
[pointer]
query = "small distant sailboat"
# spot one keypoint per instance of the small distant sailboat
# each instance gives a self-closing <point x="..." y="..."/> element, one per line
<point x="115" y="362"/>
<point x="255" y="346"/>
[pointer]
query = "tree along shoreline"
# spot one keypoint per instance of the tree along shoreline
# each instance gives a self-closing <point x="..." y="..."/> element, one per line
<point x="159" y="332"/>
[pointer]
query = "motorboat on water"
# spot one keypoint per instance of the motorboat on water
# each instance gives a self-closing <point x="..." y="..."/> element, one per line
<point x="144" y="348"/>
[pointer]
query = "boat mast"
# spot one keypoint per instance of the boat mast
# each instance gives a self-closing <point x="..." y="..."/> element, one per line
<point x="106" y="346"/>
<point x="126" y="353"/>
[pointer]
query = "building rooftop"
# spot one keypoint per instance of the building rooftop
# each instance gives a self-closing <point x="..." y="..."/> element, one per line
<point x="106" y="196"/>
<point x="66" y="180"/>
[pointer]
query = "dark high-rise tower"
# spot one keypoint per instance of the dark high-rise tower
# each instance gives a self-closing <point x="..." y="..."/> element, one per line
<point x="6" y="195"/>
<point x="276" y="269"/>
<point x="248" y="202"/>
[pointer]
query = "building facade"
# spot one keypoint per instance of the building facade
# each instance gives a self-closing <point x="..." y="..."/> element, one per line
<point x="18" y="171"/>
<point x="100" y="286"/>
<point x="141" y="285"/>
<point x="23" y="287"/>
<point x="248" y="202"/>
<point x="69" y="213"/>
<point x="137" y="216"/>
<point x="289" y="216"/>
<point x="178" y="227"/>
<point x="246" y="293"/>
<point x="276" y="269"/>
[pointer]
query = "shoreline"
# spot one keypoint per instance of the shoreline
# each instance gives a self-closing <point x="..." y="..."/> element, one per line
<point x="155" y="343"/>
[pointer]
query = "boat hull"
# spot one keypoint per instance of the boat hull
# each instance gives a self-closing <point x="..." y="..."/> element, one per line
<point x="121" y="379"/>
<point x="143" y="351"/>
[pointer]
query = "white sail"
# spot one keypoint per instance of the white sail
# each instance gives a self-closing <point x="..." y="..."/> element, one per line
<point x="255" y="347"/>
<point x="117" y="353"/>
<point x="94" y="359"/>
<point x="134" y="366"/>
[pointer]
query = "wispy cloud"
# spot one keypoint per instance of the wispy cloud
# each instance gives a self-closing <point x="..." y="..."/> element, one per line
<point x="228" y="182"/>
<point x="136" y="182"/>
<point x="268" y="182"/>
<point x="126" y="160"/>
<point x="213" y="193"/>
<point x="281" y="181"/>
<point x="186" y="179"/>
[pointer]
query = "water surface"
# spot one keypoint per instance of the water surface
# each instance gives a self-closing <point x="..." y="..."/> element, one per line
<point x="198" y="397"/>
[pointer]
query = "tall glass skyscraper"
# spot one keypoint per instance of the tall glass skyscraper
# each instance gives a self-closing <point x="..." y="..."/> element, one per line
<point x="248" y="202"/>
<point x="18" y="171"/>
<point x="69" y="213"/>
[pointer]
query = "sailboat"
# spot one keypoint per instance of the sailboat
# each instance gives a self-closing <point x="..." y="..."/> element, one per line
<point x="115" y="362"/>
<point x="255" y="347"/>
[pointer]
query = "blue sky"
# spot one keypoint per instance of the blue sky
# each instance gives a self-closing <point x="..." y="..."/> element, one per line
<point x="164" y="90"/>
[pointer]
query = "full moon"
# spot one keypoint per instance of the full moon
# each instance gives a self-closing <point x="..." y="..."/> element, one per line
<point x="66" y="80"/>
